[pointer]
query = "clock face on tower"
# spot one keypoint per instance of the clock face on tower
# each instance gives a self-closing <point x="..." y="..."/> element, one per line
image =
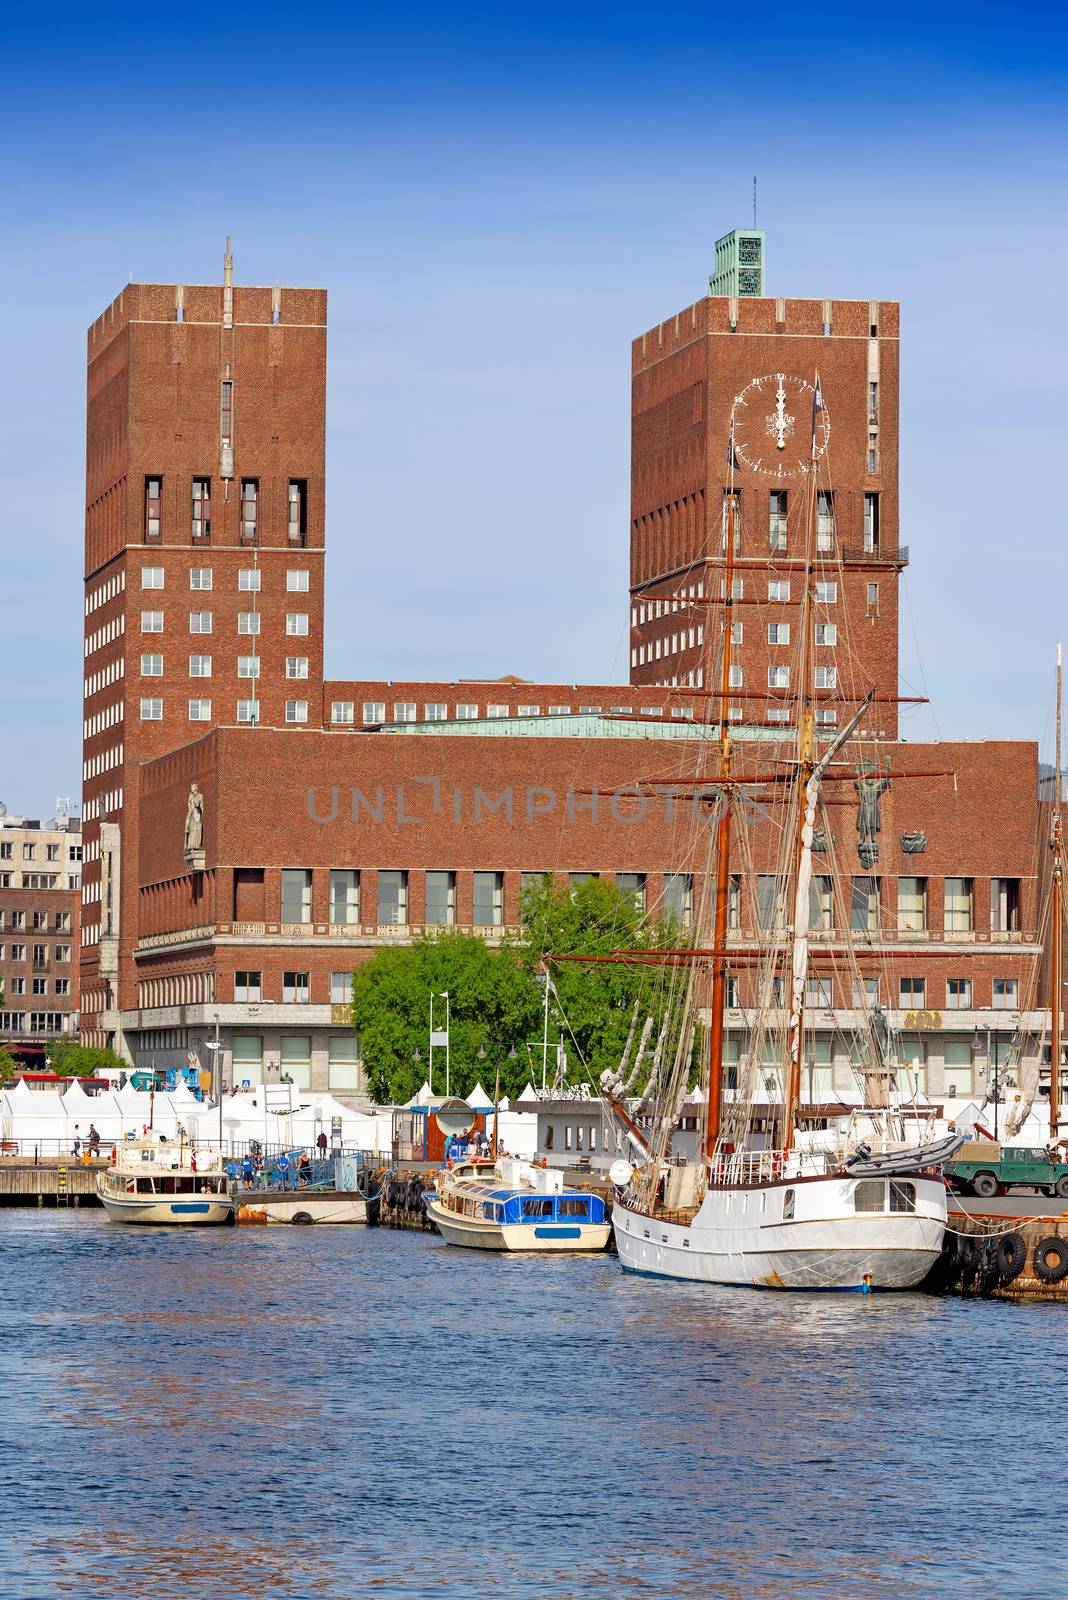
<point x="772" y="422"/>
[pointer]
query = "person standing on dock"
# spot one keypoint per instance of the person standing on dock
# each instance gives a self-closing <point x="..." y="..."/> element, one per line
<point x="76" y="1145"/>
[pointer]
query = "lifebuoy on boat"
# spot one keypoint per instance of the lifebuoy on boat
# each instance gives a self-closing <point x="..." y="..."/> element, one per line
<point x="1050" y="1260"/>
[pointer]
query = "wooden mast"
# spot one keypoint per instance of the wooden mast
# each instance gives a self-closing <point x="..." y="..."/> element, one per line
<point x="1056" y="975"/>
<point x="806" y="762"/>
<point x="718" y="1007"/>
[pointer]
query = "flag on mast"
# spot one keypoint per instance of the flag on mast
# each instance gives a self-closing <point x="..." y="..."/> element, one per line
<point x="817" y="407"/>
<point x="732" y="459"/>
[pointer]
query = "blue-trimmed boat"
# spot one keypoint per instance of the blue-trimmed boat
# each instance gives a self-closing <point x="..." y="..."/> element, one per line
<point x="515" y="1206"/>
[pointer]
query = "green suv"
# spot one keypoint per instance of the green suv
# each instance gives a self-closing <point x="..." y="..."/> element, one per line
<point x="987" y="1170"/>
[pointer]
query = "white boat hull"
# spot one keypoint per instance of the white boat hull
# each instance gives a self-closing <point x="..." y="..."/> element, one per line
<point x="739" y="1236"/>
<point x="183" y="1210"/>
<point x="476" y="1233"/>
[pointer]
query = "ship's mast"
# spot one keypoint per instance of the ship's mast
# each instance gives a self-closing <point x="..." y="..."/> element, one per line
<point x="1057" y="846"/>
<point x="806" y="762"/>
<point x="723" y="832"/>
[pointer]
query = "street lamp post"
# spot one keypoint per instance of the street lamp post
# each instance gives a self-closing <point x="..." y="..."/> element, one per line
<point x="496" y="1086"/>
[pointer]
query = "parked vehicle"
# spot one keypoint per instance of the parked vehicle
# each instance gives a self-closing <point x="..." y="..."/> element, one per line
<point x="986" y="1169"/>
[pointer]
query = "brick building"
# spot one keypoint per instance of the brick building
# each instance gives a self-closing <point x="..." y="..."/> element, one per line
<point x="40" y="903"/>
<point x="339" y="816"/>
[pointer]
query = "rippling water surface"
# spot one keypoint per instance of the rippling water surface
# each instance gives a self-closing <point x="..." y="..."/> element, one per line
<point x="343" y="1412"/>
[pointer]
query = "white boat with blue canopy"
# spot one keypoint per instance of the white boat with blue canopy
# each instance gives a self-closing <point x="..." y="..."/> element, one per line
<point x="512" y="1205"/>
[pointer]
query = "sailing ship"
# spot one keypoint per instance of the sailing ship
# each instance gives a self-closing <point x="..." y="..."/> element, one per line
<point x="770" y="1203"/>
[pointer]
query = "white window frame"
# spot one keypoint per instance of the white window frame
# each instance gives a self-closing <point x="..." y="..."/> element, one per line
<point x="199" y="710"/>
<point x="297" y="624"/>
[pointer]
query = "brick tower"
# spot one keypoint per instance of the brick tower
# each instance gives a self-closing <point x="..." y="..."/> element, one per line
<point x="204" y="532"/>
<point x="686" y="374"/>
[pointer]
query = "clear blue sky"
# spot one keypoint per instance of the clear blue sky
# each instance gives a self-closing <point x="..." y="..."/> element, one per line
<point x="497" y="200"/>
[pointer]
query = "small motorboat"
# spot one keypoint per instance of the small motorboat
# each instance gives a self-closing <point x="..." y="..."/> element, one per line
<point x="511" y="1205"/>
<point x="158" y="1181"/>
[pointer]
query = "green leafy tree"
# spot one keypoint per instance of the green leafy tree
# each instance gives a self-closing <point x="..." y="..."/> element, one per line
<point x="70" y="1059"/>
<point x="9" y="1067"/>
<point x="493" y="1005"/>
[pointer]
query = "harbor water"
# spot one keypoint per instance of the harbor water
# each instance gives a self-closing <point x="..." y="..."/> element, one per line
<point x="341" y="1412"/>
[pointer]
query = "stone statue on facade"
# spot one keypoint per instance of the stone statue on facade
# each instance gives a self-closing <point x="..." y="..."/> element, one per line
<point x="194" y="821"/>
<point x="869" y="789"/>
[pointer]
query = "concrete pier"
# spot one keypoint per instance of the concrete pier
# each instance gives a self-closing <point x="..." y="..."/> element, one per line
<point x="49" y="1182"/>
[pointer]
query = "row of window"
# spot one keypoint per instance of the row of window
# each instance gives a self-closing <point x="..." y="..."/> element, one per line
<point x="912" y="993"/>
<point x="202" y="666"/>
<point x="248" y="622"/>
<point x="249" y="505"/>
<point x="30" y="851"/>
<point x="33" y="1021"/>
<point x="865" y="899"/>
<point x="199" y="710"/>
<point x="39" y="880"/>
<point x="21" y="952"/>
<point x="38" y="986"/>
<point x="38" y="921"/>
<point x="249" y="579"/>
<point x="296" y="988"/>
<point x="104" y="592"/>
<point x="375" y="712"/>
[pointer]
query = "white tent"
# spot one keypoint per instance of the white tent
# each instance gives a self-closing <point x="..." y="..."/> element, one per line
<point x="529" y="1093"/>
<point x="76" y="1102"/>
<point x="38" y="1116"/>
<point x="478" y="1099"/>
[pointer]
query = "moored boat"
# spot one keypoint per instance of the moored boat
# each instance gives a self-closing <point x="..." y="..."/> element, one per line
<point x="155" y="1181"/>
<point x="512" y="1205"/>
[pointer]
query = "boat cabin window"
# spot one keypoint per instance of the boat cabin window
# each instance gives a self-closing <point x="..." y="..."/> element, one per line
<point x="537" y="1208"/>
<point x="902" y="1196"/>
<point x="574" y="1208"/>
<point x="871" y="1195"/>
<point x="788" y="1205"/>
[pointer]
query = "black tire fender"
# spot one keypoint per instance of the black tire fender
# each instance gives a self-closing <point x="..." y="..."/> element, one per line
<point x="1050" y="1259"/>
<point x="1010" y="1255"/>
<point x="301" y="1217"/>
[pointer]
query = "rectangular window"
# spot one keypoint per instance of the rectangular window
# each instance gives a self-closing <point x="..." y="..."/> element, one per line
<point x="913" y="994"/>
<point x="296" y="710"/>
<point x="248" y="666"/>
<point x="873" y="452"/>
<point x="226" y="425"/>
<point x="63" y="986"/>
<point x="440" y="899"/>
<point x="777" y="519"/>
<point x="340" y="989"/>
<point x="151" y="710"/>
<point x="826" y="677"/>
<point x="817" y="991"/>
<point x="1004" y="905"/>
<point x="296" y="623"/>
<point x="821" y="902"/>
<point x="200" y="577"/>
<point x="296" y="666"/>
<point x="298" y="511"/>
<point x="151" y="666"/>
<point x="248" y="622"/>
<point x="958" y="994"/>
<point x="200" y="622"/>
<point x="959" y="917"/>
<point x="827" y="592"/>
<point x="296" y="894"/>
<point x="865" y="993"/>
<point x="768" y="897"/>
<point x="870" y="1195"/>
<point x="200" y="666"/>
<point x="678" y="898"/>
<point x="778" y="677"/>
<point x="864" y="903"/>
<point x="248" y="711"/>
<point x="488" y="899"/>
<point x="392" y="898"/>
<point x="436" y="712"/>
<point x="248" y="580"/>
<point x="825" y="519"/>
<point x="295" y="988"/>
<point x="247" y="986"/>
<point x="633" y="885"/>
<point x="40" y="985"/>
<point x="297" y="580"/>
<point x="152" y="577"/>
<point x="374" y="711"/>
<point x="153" y="508"/>
<point x="911" y="904"/>
<point x="958" y="1068"/>
<point x="152" y="622"/>
<point x="873" y="597"/>
<point x="500" y="711"/>
<point x="1006" y="994"/>
<point x="778" y="633"/>
<point x="737" y="633"/>
<point x="468" y="713"/>
<point x="871" y="522"/>
<point x="776" y="714"/>
<point x="778" y="589"/>
<point x="737" y="677"/>
<point x="404" y="711"/>
<point x="345" y="896"/>
<point x="826" y="633"/>
<point x="250" y="494"/>
<point x="201" y="509"/>
<point x="825" y="718"/>
<point x="342" y="711"/>
<point x="200" y="710"/>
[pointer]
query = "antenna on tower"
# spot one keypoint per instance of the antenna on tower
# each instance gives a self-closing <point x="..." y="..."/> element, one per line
<point x="754" y="205"/>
